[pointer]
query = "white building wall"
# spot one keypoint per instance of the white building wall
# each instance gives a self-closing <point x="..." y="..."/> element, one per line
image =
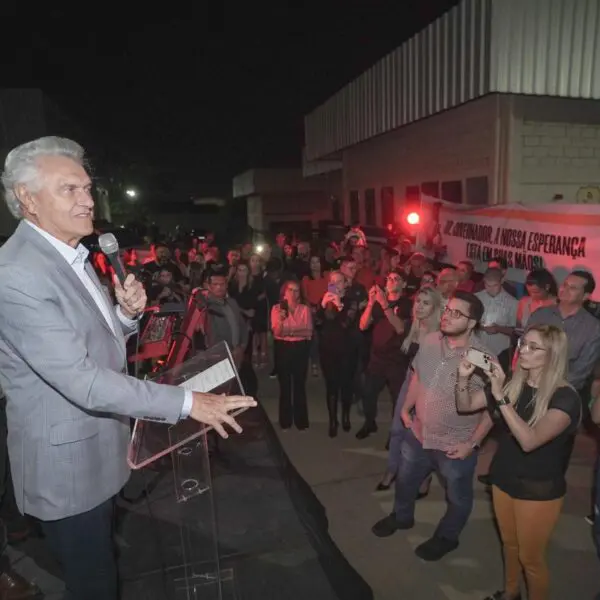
<point x="454" y="145"/>
<point x="255" y="213"/>
<point x="558" y="151"/>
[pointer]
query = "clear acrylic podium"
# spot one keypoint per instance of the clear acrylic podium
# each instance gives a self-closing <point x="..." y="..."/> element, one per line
<point x="199" y="574"/>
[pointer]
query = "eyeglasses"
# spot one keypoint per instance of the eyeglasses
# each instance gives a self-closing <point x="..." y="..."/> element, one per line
<point x="455" y="313"/>
<point x="524" y="346"/>
<point x="394" y="278"/>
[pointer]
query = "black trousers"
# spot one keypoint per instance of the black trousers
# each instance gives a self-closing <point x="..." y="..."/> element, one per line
<point x="392" y="376"/>
<point x="339" y="368"/>
<point x="292" y="368"/>
<point x="83" y="544"/>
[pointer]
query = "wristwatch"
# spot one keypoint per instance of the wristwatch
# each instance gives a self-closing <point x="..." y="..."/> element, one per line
<point x="503" y="401"/>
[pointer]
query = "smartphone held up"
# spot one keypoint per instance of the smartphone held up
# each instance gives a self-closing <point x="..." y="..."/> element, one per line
<point x="480" y="359"/>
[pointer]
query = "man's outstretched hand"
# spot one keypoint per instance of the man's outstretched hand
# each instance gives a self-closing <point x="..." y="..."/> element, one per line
<point x="214" y="409"/>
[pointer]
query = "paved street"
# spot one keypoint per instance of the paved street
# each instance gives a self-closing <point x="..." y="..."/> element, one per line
<point x="343" y="472"/>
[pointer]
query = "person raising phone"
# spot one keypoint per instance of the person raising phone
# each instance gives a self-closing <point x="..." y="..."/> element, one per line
<point x="388" y="315"/>
<point x="540" y="412"/>
<point x="336" y="350"/>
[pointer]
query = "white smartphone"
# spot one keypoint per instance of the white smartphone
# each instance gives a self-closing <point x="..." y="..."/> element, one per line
<point x="480" y="359"/>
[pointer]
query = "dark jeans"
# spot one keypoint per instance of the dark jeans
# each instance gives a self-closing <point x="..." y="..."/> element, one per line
<point x="376" y="379"/>
<point x="292" y="367"/>
<point x="397" y="430"/>
<point x="415" y="464"/>
<point x="83" y="544"/>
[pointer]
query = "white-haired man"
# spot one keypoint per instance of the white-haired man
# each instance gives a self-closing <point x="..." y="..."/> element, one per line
<point x="62" y="367"/>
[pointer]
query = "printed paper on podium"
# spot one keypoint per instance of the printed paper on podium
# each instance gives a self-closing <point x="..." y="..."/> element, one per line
<point x="213" y="371"/>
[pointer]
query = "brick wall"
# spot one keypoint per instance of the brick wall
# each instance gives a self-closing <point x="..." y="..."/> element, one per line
<point x="559" y="150"/>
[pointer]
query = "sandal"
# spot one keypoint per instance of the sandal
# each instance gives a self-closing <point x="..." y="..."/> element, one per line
<point x="499" y="595"/>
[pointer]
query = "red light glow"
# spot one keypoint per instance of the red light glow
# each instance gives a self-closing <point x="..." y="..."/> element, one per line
<point x="413" y="218"/>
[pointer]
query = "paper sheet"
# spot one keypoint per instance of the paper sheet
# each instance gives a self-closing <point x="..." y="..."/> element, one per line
<point x="211" y="378"/>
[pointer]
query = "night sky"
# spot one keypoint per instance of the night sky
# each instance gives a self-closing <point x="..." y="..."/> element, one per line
<point x="198" y="97"/>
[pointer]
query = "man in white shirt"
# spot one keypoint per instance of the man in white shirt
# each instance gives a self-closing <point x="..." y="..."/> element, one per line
<point x="499" y="316"/>
<point x="62" y="367"/>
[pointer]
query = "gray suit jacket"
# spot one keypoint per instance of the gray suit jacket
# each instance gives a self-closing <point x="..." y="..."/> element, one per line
<point x="62" y="370"/>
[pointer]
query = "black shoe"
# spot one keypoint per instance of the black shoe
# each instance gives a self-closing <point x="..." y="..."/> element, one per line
<point x="389" y="525"/>
<point x="435" y="548"/>
<point x="366" y="430"/>
<point x="590" y="519"/>
<point x="333" y="429"/>
<point x="485" y="479"/>
<point x="383" y="487"/>
<point x="501" y="596"/>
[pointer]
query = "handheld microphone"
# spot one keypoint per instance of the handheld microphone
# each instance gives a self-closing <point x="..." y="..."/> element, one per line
<point x="110" y="247"/>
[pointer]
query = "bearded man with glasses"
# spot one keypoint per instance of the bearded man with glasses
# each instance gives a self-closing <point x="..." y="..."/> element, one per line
<point x="440" y="438"/>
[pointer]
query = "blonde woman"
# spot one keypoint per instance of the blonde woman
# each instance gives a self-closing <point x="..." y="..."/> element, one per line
<point x="540" y="412"/>
<point x="427" y="311"/>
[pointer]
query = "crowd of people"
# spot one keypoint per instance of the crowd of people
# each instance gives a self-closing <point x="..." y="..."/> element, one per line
<point x="464" y="357"/>
<point x="401" y="321"/>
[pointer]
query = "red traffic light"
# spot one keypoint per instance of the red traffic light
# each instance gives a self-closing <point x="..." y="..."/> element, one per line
<point x="413" y="218"/>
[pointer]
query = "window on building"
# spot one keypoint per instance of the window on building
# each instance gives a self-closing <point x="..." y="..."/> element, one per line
<point x="387" y="206"/>
<point x="370" y="217"/>
<point x="431" y="188"/>
<point x="452" y="191"/>
<point x="354" y="207"/>
<point x="336" y="209"/>
<point x="477" y="191"/>
<point x="413" y="194"/>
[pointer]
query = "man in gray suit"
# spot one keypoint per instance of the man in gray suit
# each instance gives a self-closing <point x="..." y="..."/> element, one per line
<point x="62" y="367"/>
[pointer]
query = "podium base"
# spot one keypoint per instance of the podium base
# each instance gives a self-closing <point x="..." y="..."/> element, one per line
<point x="272" y="531"/>
<point x="207" y="586"/>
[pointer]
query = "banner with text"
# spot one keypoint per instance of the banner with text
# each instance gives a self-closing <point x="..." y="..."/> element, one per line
<point x="558" y="237"/>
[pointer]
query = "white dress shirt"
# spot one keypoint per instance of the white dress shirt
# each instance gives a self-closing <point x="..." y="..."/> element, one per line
<point x="76" y="258"/>
<point x="498" y="310"/>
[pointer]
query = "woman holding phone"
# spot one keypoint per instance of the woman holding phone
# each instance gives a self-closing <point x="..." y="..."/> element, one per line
<point x="336" y="351"/>
<point x="292" y="327"/>
<point x="540" y="413"/>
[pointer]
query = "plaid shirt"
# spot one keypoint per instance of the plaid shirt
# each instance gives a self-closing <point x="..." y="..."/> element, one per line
<point x="437" y="423"/>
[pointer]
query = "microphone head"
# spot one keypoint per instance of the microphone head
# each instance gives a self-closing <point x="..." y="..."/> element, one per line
<point x="108" y="243"/>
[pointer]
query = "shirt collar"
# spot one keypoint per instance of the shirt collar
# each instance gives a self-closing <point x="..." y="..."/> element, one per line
<point x="72" y="255"/>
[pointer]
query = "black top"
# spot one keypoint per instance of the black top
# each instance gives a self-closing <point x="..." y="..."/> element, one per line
<point x="386" y="344"/>
<point x="413" y="284"/>
<point x="540" y="474"/>
<point x="336" y="331"/>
